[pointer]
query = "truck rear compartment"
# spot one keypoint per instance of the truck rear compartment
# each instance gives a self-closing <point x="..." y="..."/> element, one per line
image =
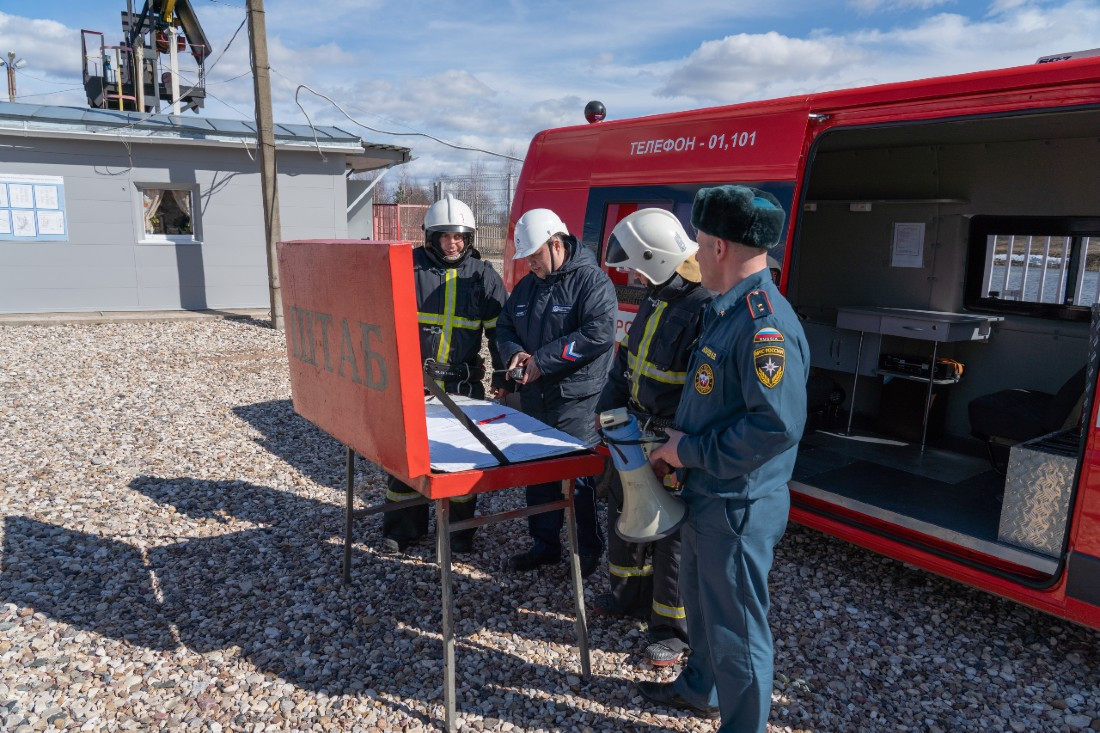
<point x="1004" y="190"/>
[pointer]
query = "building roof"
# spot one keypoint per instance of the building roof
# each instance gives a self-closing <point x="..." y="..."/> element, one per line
<point x="34" y="120"/>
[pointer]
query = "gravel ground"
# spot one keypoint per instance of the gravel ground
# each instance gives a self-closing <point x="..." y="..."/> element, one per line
<point x="171" y="558"/>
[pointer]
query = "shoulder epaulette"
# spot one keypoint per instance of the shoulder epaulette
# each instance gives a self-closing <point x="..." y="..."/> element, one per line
<point x="759" y="305"/>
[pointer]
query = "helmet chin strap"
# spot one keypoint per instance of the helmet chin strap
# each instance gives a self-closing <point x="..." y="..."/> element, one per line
<point x="553" y="269"/>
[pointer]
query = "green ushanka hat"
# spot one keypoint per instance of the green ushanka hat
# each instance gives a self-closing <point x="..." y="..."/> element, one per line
<point x="741" y="214"/>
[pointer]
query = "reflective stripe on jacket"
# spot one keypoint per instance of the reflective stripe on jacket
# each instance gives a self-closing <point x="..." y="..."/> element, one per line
<point x="650" y="367"/>
<point x="454" y="305"/>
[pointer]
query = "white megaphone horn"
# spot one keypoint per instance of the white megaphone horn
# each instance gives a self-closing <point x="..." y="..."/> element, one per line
<point x="649" y="511"/>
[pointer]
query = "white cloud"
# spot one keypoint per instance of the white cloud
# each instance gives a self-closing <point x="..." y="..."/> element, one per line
<point x="881" y="6"/>
<point x="740" y="67"/>
<point x="747" y="67"/>
<point x="496" y="73"/>
<point x="51" y="51"/>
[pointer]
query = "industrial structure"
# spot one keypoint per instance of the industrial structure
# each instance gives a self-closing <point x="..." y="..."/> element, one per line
<point x="161" y="58"/>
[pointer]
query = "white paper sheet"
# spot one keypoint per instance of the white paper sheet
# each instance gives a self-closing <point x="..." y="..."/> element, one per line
<point x="51" y="222"/>
<point x="5" y="221"/>
<point x="45" y="197"/>
<point x="21" y="195"/>
<point x="23" y="223"/>
<point x="519" y="437"/>
<point x="908" y="245"/>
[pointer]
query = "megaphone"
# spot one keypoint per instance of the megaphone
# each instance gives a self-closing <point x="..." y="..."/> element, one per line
<point x="649" y="512"/>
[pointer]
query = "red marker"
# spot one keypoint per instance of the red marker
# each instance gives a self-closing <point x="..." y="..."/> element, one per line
<point x="488" y="420"/>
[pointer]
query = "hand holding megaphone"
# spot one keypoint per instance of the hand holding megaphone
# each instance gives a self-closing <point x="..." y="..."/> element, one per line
<point x="663" y="458"/>
<point x="649" y="512"/>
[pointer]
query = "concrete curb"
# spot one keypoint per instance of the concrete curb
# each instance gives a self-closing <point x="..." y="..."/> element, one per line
<point x="94" y="317"/>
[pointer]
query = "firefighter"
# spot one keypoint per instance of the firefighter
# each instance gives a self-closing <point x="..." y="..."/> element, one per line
<point x="458" y="296"/>
<point x="559" y="325"/>
<point x="647" y="377"/>
<point x="739" y="422"/>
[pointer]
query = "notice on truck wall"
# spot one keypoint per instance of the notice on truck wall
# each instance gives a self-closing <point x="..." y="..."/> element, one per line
<point x="907" y="249"/>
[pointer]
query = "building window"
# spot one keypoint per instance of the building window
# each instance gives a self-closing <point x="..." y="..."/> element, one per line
<point x="1040" y="266"/>
<point x="168" y="214"/>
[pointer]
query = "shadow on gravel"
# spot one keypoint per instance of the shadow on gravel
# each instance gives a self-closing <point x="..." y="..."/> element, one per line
<point x="295" y="440"/>
<point x="275" y="594"/>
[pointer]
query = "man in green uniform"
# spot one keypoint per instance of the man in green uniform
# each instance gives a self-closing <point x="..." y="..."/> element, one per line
<point x="740" y="419"/>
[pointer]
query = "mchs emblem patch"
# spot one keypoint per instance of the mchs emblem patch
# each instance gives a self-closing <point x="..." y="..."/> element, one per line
<point x="704" y="379"/>
<point x="769" y="356"/>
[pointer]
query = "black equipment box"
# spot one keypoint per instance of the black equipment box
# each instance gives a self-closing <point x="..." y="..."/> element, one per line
<point x="945" y="368"/>
<point x="901" y="408"/>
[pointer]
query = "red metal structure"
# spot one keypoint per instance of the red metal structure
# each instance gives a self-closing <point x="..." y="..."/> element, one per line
<point x="356" y="373"/>
<point x="399" y="222"/>
<point x="926" y="197"/>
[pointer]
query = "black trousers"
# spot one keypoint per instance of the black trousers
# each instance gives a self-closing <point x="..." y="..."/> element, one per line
<point x="645" y="576"/>
<point x="411" y="523"/>
<point x="575" y="416"/>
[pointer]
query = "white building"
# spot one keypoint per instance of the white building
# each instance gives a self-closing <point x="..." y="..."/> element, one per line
<point x="103" y="210"/>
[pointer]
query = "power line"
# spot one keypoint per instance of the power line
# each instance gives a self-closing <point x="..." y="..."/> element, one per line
<point x="215" y="61"/>
<point x="46" y="94"/>
<point x="25" y="75"/>
<point x="384" y="132"/>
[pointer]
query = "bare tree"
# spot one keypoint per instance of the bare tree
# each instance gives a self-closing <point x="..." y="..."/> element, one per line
<point x="410" y="192"/>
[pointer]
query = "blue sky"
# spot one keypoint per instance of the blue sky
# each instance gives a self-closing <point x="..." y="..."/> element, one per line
<point x="490" y="74"/>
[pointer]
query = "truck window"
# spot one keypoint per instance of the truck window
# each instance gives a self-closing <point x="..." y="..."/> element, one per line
<point x="608" y="206"/>
<point x="1046" y="267"/>
<point x="613" y="215"/>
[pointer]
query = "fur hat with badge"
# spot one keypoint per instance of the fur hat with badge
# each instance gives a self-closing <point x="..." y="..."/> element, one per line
<point x="741" y="214"/>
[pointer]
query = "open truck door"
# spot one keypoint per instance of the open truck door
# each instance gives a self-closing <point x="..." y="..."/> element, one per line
<point x="942" y="251"/>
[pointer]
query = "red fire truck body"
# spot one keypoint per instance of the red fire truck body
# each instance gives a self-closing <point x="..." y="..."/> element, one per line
<point x="950" y="220"/>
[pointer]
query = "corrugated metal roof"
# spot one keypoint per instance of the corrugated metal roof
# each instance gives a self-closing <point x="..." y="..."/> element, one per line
<point x="46" y="119"/>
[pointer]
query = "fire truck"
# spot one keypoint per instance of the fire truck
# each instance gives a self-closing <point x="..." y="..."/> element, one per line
<point x="942" y="248"/>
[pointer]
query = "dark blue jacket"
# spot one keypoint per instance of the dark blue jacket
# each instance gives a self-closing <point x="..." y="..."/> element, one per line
<point x="650" y="365"/>
<point x="455" y="303"/>
<point x="566" y="322"/>
<point x="744" y="405"/>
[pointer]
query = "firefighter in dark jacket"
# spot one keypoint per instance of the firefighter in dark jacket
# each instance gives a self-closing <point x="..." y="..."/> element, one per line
<point x="739" y="422"/>
<point x="559" y="325"/>
<point x="647" y="378"/>
<point x="458" y="296"/>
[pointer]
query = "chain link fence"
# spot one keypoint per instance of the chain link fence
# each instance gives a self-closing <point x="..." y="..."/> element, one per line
<point x="489" y="197"/>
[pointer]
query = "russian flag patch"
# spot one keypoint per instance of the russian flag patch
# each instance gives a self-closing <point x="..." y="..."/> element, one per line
<point x="569" y="353"/>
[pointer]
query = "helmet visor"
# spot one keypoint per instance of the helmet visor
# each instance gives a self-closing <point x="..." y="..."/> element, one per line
<point x="616" y="255"/>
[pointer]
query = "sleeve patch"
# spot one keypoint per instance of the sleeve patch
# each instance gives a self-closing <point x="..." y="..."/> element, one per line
<point x="770" y="361"/>
<point x="768" y="336"/>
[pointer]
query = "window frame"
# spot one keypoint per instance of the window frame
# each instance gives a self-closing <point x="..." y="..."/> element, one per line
<point x="982" y="227"/>
<point x="195" y="237"/>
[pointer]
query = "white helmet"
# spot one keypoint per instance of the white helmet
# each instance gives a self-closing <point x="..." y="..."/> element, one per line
<point x="651" y="242"/>
<point x="449" y="215"/>
<point x="533" y="229"/>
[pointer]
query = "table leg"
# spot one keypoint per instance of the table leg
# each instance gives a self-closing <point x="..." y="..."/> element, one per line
<point x="349" y="511"/>
<point x="855" y="382"/>
<point x="578" y="582"/>
<point x="443" y="553"/>
<point x="928" y="397"/>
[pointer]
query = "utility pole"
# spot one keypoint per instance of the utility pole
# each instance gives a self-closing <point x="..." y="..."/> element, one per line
<point x="265" y="129"/>
<point x="12" y="65"/>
